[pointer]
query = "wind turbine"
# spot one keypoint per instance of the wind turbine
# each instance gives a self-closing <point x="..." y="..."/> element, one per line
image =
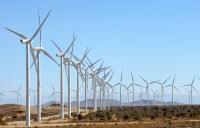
<point x="61" y="55"/>
<point x="34" y="94"/>
<point x="28" y="42"/>
<point x="38" y="51"/>
<point x="162" y="87"/>
<point x="188" y="91"/>
<point x="79" y="73"/>
<point x="173" y="87"/>
<point x="147" y="88"/>
<point x="191" y="85"/>
<point x="94" y="73"/>
<point x="104" y="84"/>
<point x="53" y="93"/>
<point x="133" y="84"/>
<point x="154" y="95"/>
<point x="17" y="93"/>
<point x="120" y="85"/>
<point x="85" y="77"/>
<point x="140" y="96"/>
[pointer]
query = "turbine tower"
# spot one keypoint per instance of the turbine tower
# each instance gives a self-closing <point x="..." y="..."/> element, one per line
<point x="147" y="89"/>
<point x="173" y="87"/>
<point x="61" y="55"/>
<point x="94" y="73"/>
<point x="28" y="43"/>
<point x="79" y="73"/>
<point x="53" y="93"/>
<point x="133" y="84"/>
<point x="120" y="87"/>
<point x="191" y="85"/>
<point x="85" y="75"/>
<point x="34" y="95"/>
<point x="17" y="94"/>
<point x="162" y="87"/>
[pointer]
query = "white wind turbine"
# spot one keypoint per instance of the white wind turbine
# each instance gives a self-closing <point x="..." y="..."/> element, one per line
<point x="104" y="84"/>
<point x="61" y="55"/>
<point x="79" y="73"/>
<point x="191" y="85"/>
<point x="154" y="95"/>
<point x="147" y="89"/>
<point x="112" y="93"/>
<point x="127" y="92"/>
<point x="133" y="84"/>
<point x="53" y="93"/>
<point x="108" y="85"/>
<point x="102" y="89"/>
<point x="120" y="87"/>
<point x="85" y="76"/>
<point x="188" y="91"/>
<point x="94" y="73"/>
<point x="162" y="89"/>
<point x="34" y="95"/>
<point x="17" y="94"/>
<point x="173" y="87"/>
<point x="38" y="51"/>
<point x="28" y="43"/>
<point x="141" y="97"/>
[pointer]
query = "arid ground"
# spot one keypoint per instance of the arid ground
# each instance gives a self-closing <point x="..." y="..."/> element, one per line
<point x="12" y="115"/>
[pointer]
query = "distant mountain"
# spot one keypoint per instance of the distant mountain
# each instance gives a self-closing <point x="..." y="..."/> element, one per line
<point x="114" y="103"/>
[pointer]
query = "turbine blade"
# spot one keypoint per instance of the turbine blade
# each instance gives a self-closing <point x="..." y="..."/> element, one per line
<point x="74" y="38"/>
<point x="143" y="79"/>
<point x="174" y="79"/>
<point x="116" y="84"/>
<point x="34" y="61"/>
<point x="92" y="64"/>
<point x="37" y="30"/>
<point x="16" y="33"/>
<point x="33" y="57"/>
<point x="193" y="79"/>
<point x="125" y="86"/>
<point x="106" y="75"/>
<point x="40" y="29"/>
<point x="59" y="49"/>
<point x="167" y="85"/>
<point x="139" y="85"/>
<point x="177" y="89"/>
<point x="74" y="65"/>
<point x="195" y="90"/>
<point x="86" y="53"/>
<point x="121" y="76"/>
<point x="47" y="54"/>
<point x="111" y="76"/>
<point x="19" y="88"/>
<point x="165" y="80"/>
<point x="65" y="69"/>
<point x="186" y="85"/>
<point x="130" y="85"/>
<point x="132" y="76"/>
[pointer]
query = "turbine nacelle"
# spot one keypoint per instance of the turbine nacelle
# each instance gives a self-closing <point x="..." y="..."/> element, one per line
<point x="37" y="48"/>
<point x="25" y="41"/>
<point x="59" y="55"/>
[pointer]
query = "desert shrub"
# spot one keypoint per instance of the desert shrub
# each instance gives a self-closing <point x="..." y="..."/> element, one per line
<point x="14" y="116"/>
<point x="2" y="122"/>
<point x="126" y="117"/>
<point x="80" y="117"/>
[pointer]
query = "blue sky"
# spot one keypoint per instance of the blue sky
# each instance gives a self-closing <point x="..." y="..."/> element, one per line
<point x="155" y="39"/>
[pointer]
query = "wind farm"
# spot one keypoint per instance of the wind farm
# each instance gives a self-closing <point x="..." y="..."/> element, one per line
<point x="100" y="69"/>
